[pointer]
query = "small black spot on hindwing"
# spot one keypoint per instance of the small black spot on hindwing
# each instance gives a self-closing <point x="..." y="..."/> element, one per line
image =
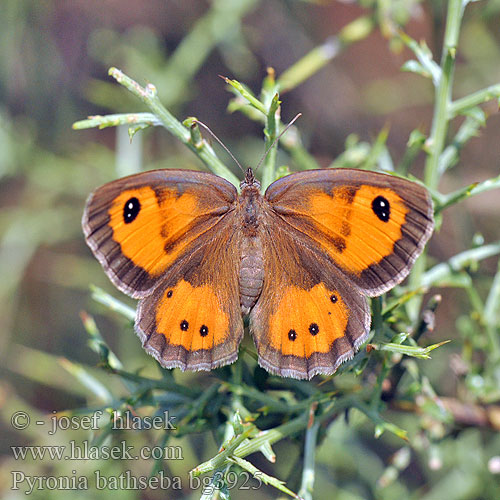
<point x="292" y="335"/>
<point x="131" y="210"/>
<point x="381" y="208"/>
<point x="313" y="329"/>
<point x="184" y="325"/>
<point x="169" y="293"/>
<point x="204" y="330"/>
<point x="333" y="298"/>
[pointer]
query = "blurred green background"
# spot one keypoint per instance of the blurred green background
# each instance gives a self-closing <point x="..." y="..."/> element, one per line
<point x="54" y="57"/>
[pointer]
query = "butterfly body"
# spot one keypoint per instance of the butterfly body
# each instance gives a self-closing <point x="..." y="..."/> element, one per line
<point x="298" y="260"/>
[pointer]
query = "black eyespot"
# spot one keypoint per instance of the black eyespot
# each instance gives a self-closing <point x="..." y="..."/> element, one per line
<point x="169" y="293"/>
<point x="131" y="210"/>
<point x="184" y="325"/>
<point x="313" y="329"/>
<point x="292" y="335"/>
<point x="204" y="330"/>
<point x="381" y="208"/>
<point x="333" y="298"/>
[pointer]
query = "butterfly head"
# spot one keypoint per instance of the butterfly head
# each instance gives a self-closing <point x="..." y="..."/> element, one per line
<point x="250" y="181"/>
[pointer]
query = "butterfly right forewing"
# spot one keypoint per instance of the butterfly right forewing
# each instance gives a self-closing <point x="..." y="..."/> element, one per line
<point x="371" y="225"/>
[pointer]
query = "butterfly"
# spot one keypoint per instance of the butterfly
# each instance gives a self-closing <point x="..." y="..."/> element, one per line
<point x="299" y="260"/>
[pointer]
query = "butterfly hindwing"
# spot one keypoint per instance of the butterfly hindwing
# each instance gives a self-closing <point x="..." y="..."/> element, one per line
<point x="193" y="319"/>
<point x="308" y="319"/>
<point x="372" y="226"/>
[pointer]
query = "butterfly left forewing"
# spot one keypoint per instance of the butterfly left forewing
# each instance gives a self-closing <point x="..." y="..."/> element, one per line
<point x="140" y="225"/>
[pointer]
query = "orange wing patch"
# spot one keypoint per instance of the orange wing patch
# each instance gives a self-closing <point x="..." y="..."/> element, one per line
<point x="313" y="327"/>
<point x="348" y="228"/>
<point x="191" y="317"/>
<point x="153" y="230"/>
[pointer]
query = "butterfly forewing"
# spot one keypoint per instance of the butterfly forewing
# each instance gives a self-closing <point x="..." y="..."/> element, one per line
<point x="141" y="225"/>
<point x="372" y="226"/>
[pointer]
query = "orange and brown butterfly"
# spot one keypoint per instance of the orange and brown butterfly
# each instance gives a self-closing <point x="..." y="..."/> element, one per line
<point x="299" y="260"/>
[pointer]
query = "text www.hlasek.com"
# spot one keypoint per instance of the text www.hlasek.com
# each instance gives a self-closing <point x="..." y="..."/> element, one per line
<point x="84" y="451"/>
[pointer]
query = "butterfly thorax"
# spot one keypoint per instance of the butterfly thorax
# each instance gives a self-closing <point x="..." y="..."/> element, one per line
<point x="251" y="276"/>
<point x="250" y="201"/>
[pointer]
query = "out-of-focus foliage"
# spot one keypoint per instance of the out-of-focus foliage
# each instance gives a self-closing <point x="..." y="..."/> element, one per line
<point x="435" y="421"/>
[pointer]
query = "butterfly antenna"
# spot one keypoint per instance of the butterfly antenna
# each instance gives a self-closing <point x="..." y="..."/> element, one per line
<point x="264" y="156"/>
<point x="206" y="127"/>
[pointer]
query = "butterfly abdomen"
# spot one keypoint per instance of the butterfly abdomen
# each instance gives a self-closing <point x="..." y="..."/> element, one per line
<point x="251" y="272"/>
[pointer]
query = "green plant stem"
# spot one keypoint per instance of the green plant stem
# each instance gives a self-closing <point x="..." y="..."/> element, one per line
<point x="265" y="478"/>
<point x="272" y="436"/>
<point x="92" y="384"/>
<point x="198" y="405"/>
<point x="308" y="65"/>
<point x="244" y="92"/>
<point x="449" y="156"/>
<point x="148" y="95"/>
<point x="436" y="142"/>
<point x="308" y="471"/>
<point x="221" y="458"/>
<point x="107" y="300"/>
<point x="292" y="144"/>
<point x="272" y="127"/>
<point x="491" y="315"/>
<point x="381" y="424"/>
<point x="440" y="272"/>
<point x="460" y="105"/>
<point x="145" y="384"/>
<point x="293" y="426"/>
<point x="117" y="119"/>
<point x="440" y="118"/>
<point x="447" y="200"/>
<point x="408" y="350"/>
<point x="318" y="57"/>
<point x="273" y="404"/>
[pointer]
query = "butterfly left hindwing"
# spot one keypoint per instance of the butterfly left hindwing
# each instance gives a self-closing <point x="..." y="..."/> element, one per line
<point x="193" y="319"/>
